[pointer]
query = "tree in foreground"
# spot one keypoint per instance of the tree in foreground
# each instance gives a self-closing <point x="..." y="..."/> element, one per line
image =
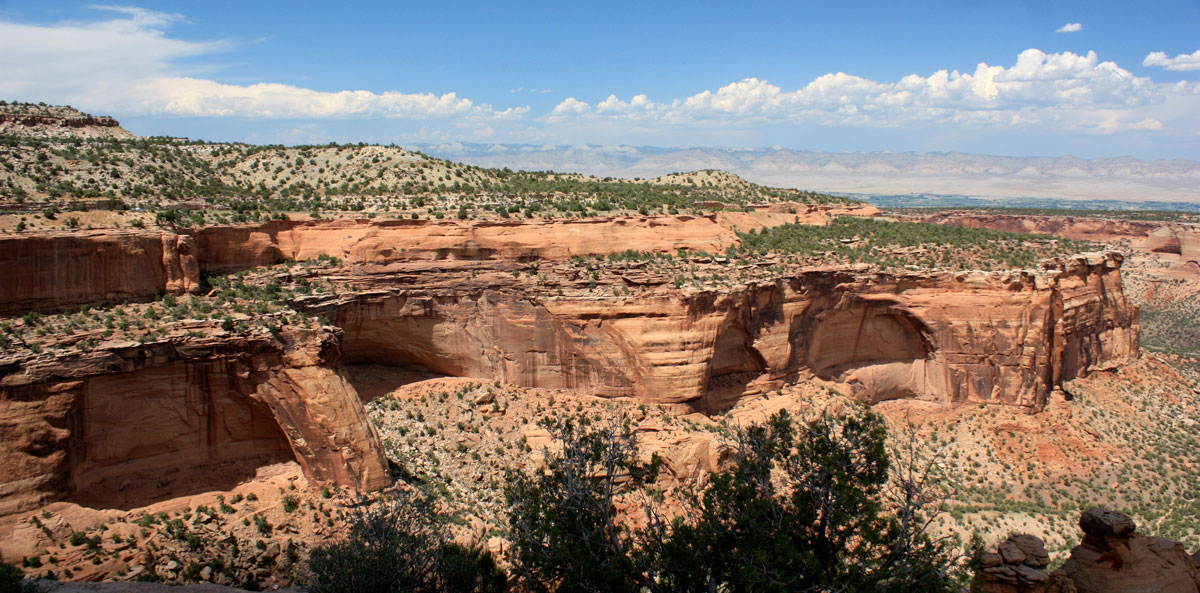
<point x="401" y="546"/>
<point x="810" y="507"/>
<point x="12" y="581"/>
<point x="565" y="529"/>
<point x="817" y="506"/>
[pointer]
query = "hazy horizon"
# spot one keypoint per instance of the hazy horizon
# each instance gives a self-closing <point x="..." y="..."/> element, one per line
<point x="1092" y="80"/>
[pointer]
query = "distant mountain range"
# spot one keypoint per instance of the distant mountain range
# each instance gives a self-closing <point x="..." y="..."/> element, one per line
<point x="863" y="174"/>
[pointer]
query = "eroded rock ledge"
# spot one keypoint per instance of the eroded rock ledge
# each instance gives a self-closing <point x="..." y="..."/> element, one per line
<point x="120" y="426"/>
<point x="52" y="271"/>
<point x="1010" y="337"/>
<point x="452" y="298"/>
<point x="1178" y="239"/>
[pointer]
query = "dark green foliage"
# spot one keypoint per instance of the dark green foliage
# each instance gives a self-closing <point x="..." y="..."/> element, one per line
<point x="565" y="529"/>
<point x="12" y="581"/>
<point x="167" y="171"/>
<point x="401" y="547"/>
<point x="757" y="532"/>
<point x="802" y="507"/>
<point x="1173" y="328"/>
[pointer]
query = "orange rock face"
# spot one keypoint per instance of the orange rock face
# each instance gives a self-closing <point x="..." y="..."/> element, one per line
<point x="1182" y="240"/>
<point x="56" y="270"/>
<point x="984" y="337"/>
<point x="120" y="427"/>
<point x="137" y="422"/>
<point x="365" y="242"/>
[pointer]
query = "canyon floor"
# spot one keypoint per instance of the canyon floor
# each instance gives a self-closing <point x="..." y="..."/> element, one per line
<point x="211" y="355"/>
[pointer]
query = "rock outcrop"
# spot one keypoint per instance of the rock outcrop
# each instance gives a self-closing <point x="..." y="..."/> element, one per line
<point x="52" y="271"/>
<point x="125" y="425"/>
<point x="1018" y="566"/>
<point x="366" y="242"/>
<point x="67" y="125"/>
<point x="450" y="297"/>
<point x="1008" y="337"/>
<point x="1182" y="240"/>
<point x="65" y="122"/>
<point x="1112" y="558"/>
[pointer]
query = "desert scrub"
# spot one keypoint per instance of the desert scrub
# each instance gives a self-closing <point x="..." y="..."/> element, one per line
<point x="889" y="244"/>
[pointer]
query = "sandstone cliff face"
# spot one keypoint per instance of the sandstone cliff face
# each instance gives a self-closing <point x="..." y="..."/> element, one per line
<point x="56" y="270"/>
<point x="363" y="242"/>
<point x="1008" y="338"/>
<point x="1182" y="240"/>
<point x="118" y="427"/>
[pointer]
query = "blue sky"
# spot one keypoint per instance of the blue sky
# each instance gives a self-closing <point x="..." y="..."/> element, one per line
<point x="1091" y="79"/>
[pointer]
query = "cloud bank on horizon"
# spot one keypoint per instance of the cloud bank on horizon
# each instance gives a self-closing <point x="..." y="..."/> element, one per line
<point x="129" y="64"/>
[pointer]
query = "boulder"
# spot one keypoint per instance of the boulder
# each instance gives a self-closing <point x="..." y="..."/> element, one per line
<point x="1114" y="558"/>
<point x="1099" y="522"/>
<point x="1018" y="566"/>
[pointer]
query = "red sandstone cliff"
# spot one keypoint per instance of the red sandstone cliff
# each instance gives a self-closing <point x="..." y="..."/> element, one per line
<point x="983" y="337"/>
<point x="121" y="426"/>
<point x="56" y="270"/>
<point x="92" y="426"/>
<point x="1182" y="240"/>
<point x="231" y="248"/>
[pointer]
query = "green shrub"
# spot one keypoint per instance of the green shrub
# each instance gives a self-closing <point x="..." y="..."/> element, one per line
<point x="13" y="581"/>
<point x="401" y="546"/>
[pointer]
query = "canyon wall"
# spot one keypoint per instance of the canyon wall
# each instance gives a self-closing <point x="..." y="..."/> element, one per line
<point x="137" y="422"/>
<point x="232" y="248"/>
<point x="379" y="242"/>
<point x="1008" y="338"/>
<point x="123" y="426"/>
<point x="1178" y="239"/>
<point x="52" y="271"/>
<point x="57" y="270"/>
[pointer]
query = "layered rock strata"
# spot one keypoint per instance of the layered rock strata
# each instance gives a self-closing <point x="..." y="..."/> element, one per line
<point x="121" y="426"/>
<point x="363" y="242"/>
<point x="453" y="298"/>
<point x="1010" y="337"/>
<point x="381" y="242"/>
<point x="85" y="121"/>
<point x="52" y="271"/>
<point x="68" y="124"/>
<point x="1182" y="240"/>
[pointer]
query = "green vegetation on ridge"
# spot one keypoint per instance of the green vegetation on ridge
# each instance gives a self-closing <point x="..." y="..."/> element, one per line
<point x="191" y="183"/>
<point x="854" y="239"/>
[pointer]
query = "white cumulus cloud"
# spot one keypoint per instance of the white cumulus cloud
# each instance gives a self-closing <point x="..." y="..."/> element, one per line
<point x="571" y="105"/>
<point x="128" y="64"/>
<point x="1069" y="28"/>
<point x="1181" y="62"/>
<point x="1064" y="91"/>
